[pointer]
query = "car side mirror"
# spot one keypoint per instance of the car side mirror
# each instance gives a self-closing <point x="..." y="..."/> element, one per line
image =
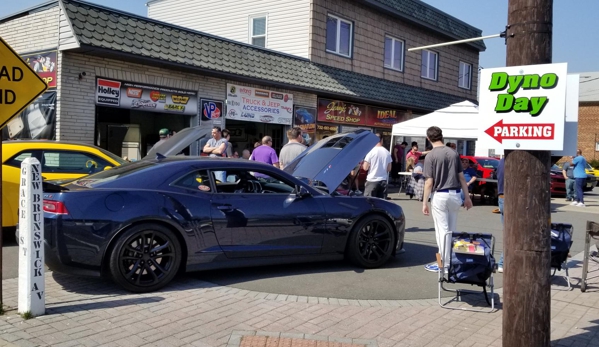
<point x="302" y="192"/>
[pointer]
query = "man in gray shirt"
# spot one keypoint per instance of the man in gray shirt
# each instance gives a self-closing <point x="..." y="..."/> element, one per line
<point x="445" y="179"/>
<point x="568" y="172"/>
<point x="293" y="148"/>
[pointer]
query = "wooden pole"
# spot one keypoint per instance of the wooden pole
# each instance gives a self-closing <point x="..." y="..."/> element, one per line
<point x="527" y="299"/>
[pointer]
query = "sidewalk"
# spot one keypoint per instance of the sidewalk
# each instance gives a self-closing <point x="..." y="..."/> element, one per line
<point x="191" y="312"/>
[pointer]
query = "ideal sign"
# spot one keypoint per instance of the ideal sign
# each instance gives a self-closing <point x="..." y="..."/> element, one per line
<point x="523" y="107"/>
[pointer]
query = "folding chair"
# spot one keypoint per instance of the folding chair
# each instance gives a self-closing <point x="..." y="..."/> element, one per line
<point x="561" y="241"/>
<point x="592" y="233"/>
<point x="471" y="262"/>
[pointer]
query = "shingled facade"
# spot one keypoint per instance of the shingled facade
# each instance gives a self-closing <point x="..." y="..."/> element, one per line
<point x="97" y="42"/>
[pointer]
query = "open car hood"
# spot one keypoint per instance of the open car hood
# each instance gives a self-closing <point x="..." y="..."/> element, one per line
<point x="330" y="160"/>
<point x="178" y="142"/>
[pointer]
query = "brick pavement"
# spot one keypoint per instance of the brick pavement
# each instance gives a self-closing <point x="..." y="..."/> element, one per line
<point x="190" y="312"/>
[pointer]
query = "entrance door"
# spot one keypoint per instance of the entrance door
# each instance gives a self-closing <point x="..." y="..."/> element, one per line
<point x="253" y="217"/>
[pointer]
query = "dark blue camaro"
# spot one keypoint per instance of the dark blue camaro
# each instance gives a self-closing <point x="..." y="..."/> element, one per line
<point x="143" y="222"/>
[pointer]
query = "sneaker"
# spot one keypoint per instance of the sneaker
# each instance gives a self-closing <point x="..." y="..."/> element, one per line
<point x="432" y="267"/>
<point x="574" y="203"/>
<point x="580" y="204"/>
<point x="500" y="269"/>
<point x="358" y="192"/>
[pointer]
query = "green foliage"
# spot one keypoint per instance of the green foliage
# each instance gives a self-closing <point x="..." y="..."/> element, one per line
<point x="27" y="315"/>
<point x="594" y="163"/>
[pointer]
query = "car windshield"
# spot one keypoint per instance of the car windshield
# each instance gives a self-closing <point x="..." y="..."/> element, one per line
<point x="113" y="156"/>
<point x="488" y="163"/>
<point x="589" y="167"/>
<point x="110" y="175"/>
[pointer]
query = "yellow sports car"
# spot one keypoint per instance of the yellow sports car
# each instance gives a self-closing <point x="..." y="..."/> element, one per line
<point x="592" y="171"/>
<point x="60" y="160"/>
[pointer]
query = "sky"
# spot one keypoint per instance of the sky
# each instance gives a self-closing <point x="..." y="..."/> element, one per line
<point x="574" y="26"/>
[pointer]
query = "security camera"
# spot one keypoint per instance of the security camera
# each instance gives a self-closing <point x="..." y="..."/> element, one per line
<point x="82" y="74"/>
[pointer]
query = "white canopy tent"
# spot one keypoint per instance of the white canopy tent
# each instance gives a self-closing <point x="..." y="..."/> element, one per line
<point x="458" y="121"/>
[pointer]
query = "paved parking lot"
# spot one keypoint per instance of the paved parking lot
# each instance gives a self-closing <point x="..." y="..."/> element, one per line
<point x="196" y="312"/>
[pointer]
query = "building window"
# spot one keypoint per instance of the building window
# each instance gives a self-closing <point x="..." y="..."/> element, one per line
<point x="465" y="77"/>
<point x="597" y="146"/>
<point x="339" y="36"/>
<point x="429" y="65"/>
<point x="393" y="53"/>
<point x="258" y="31"/>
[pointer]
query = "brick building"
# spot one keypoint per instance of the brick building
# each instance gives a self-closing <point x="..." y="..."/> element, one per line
<point x="119" y="78"/>
<point x="588" y="115"/>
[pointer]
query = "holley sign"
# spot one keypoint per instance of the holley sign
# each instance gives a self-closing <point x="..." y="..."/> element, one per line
<point x="523" y="107"/>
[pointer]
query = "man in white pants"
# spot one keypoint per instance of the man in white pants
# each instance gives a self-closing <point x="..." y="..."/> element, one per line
<point x="444" y="177"/>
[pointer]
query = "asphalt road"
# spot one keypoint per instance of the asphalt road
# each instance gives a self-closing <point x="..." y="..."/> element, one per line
<point x="402" y="278"/>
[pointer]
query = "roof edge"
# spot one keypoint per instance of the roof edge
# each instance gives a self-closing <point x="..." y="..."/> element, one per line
<point x="480" y="46"/>
<point x="185" y="29"/>
<point x="64" y="11"/>
<point x="29" y="10"/>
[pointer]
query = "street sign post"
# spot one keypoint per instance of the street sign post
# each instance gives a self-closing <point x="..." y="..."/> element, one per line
<point x="19" y="87"/>
<point x="523" y="107"/>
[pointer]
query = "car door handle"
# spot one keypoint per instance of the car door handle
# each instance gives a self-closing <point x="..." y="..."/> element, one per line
<point x="226" y="208"/>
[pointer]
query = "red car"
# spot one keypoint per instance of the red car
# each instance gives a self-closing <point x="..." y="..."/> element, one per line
<point x="485" y="166"/>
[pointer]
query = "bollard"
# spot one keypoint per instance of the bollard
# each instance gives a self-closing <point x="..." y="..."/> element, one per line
<point x="32" y="297"/>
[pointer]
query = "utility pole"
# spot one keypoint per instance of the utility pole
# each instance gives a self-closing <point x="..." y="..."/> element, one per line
<point x="527" y="240"/>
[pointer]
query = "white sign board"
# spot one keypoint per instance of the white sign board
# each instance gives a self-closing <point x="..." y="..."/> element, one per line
<point x="31" y="240"/>
<point x="259" y="105"/>
<point x="523" y="107"/>
<point x="571" y="126"/>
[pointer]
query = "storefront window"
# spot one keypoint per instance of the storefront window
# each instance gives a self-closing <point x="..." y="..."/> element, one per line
<point x="324" y="131"/>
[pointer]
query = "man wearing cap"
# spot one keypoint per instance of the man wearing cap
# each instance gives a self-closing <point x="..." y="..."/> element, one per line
<point x="164" y="135"/>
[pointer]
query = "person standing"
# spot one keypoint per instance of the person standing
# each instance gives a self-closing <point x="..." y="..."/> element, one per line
<point x="293" y="148"/>
<point x="568" y="172"/>
<point x="163" y="134"/>
<point x="580" y="177"/>
<point x="500" y="196"/>
<point x="444" y="178"/>
<point x="399" y="155"/>
<point x="216" y="147"/>
<point x="229" y="148"/>
<point x="265" y="154"/>
<point x="378" y="164"/>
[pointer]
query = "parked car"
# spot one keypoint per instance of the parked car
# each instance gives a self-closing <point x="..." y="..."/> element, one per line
<point x="592" y="171"/>
<point x="558" y="182"/>
<point x="59" y="160"/>
<point x="485" y="168"/>
<point x="141" y="223"/>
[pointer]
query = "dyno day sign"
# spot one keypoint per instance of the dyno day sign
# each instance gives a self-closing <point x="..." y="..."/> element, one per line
<point x="523" y="107"/>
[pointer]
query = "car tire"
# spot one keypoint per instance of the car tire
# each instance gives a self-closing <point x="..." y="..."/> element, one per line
<point x="145" y="258"/>
<point x="371" y="242"/>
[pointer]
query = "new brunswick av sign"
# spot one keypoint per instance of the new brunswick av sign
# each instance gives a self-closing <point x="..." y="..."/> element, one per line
<point x="523" y="107"/>
<point x="19" y="84"/>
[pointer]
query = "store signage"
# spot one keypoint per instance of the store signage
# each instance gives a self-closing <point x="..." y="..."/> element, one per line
<point x="384" y="117"/>
<point x="211" y="109"/>
<point x="305" y="118"/>
<point x="37" y="121"/>
<point x="259" y="105"/>
<point x="19" y="84"/>
<point x="335" y="111"/>
<point x="44" y="64"/>
<point x="523" y="107"/>
<point x="145" y="97"/>
<point x="321" y="127"/>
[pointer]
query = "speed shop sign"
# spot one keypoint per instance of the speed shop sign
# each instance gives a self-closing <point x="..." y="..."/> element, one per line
<point x="523" y="107"/>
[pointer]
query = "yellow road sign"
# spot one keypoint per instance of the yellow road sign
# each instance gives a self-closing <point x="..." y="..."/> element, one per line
<point x="19" y="84"/>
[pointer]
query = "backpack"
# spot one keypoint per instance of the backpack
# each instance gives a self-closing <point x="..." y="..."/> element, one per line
<point x="561" y="241"/>
<point x="472" y="260"/>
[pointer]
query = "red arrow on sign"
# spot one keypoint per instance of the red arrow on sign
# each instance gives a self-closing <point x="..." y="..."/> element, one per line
<point x="535" y="131"/>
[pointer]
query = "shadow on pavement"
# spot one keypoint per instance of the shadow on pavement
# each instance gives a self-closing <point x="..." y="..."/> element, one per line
<point x="98" y="304"/>
<point x="589" y="336"/>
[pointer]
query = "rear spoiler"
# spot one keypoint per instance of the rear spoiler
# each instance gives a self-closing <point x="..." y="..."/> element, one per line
<point x="52" y="187"/>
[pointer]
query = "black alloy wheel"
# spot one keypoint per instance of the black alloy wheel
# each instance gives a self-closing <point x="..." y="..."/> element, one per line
<point x="371" y="242"/>
<point x="145" y="258"/>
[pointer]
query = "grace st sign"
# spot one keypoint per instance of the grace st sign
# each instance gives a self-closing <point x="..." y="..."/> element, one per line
<point x="523" y="107"/>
